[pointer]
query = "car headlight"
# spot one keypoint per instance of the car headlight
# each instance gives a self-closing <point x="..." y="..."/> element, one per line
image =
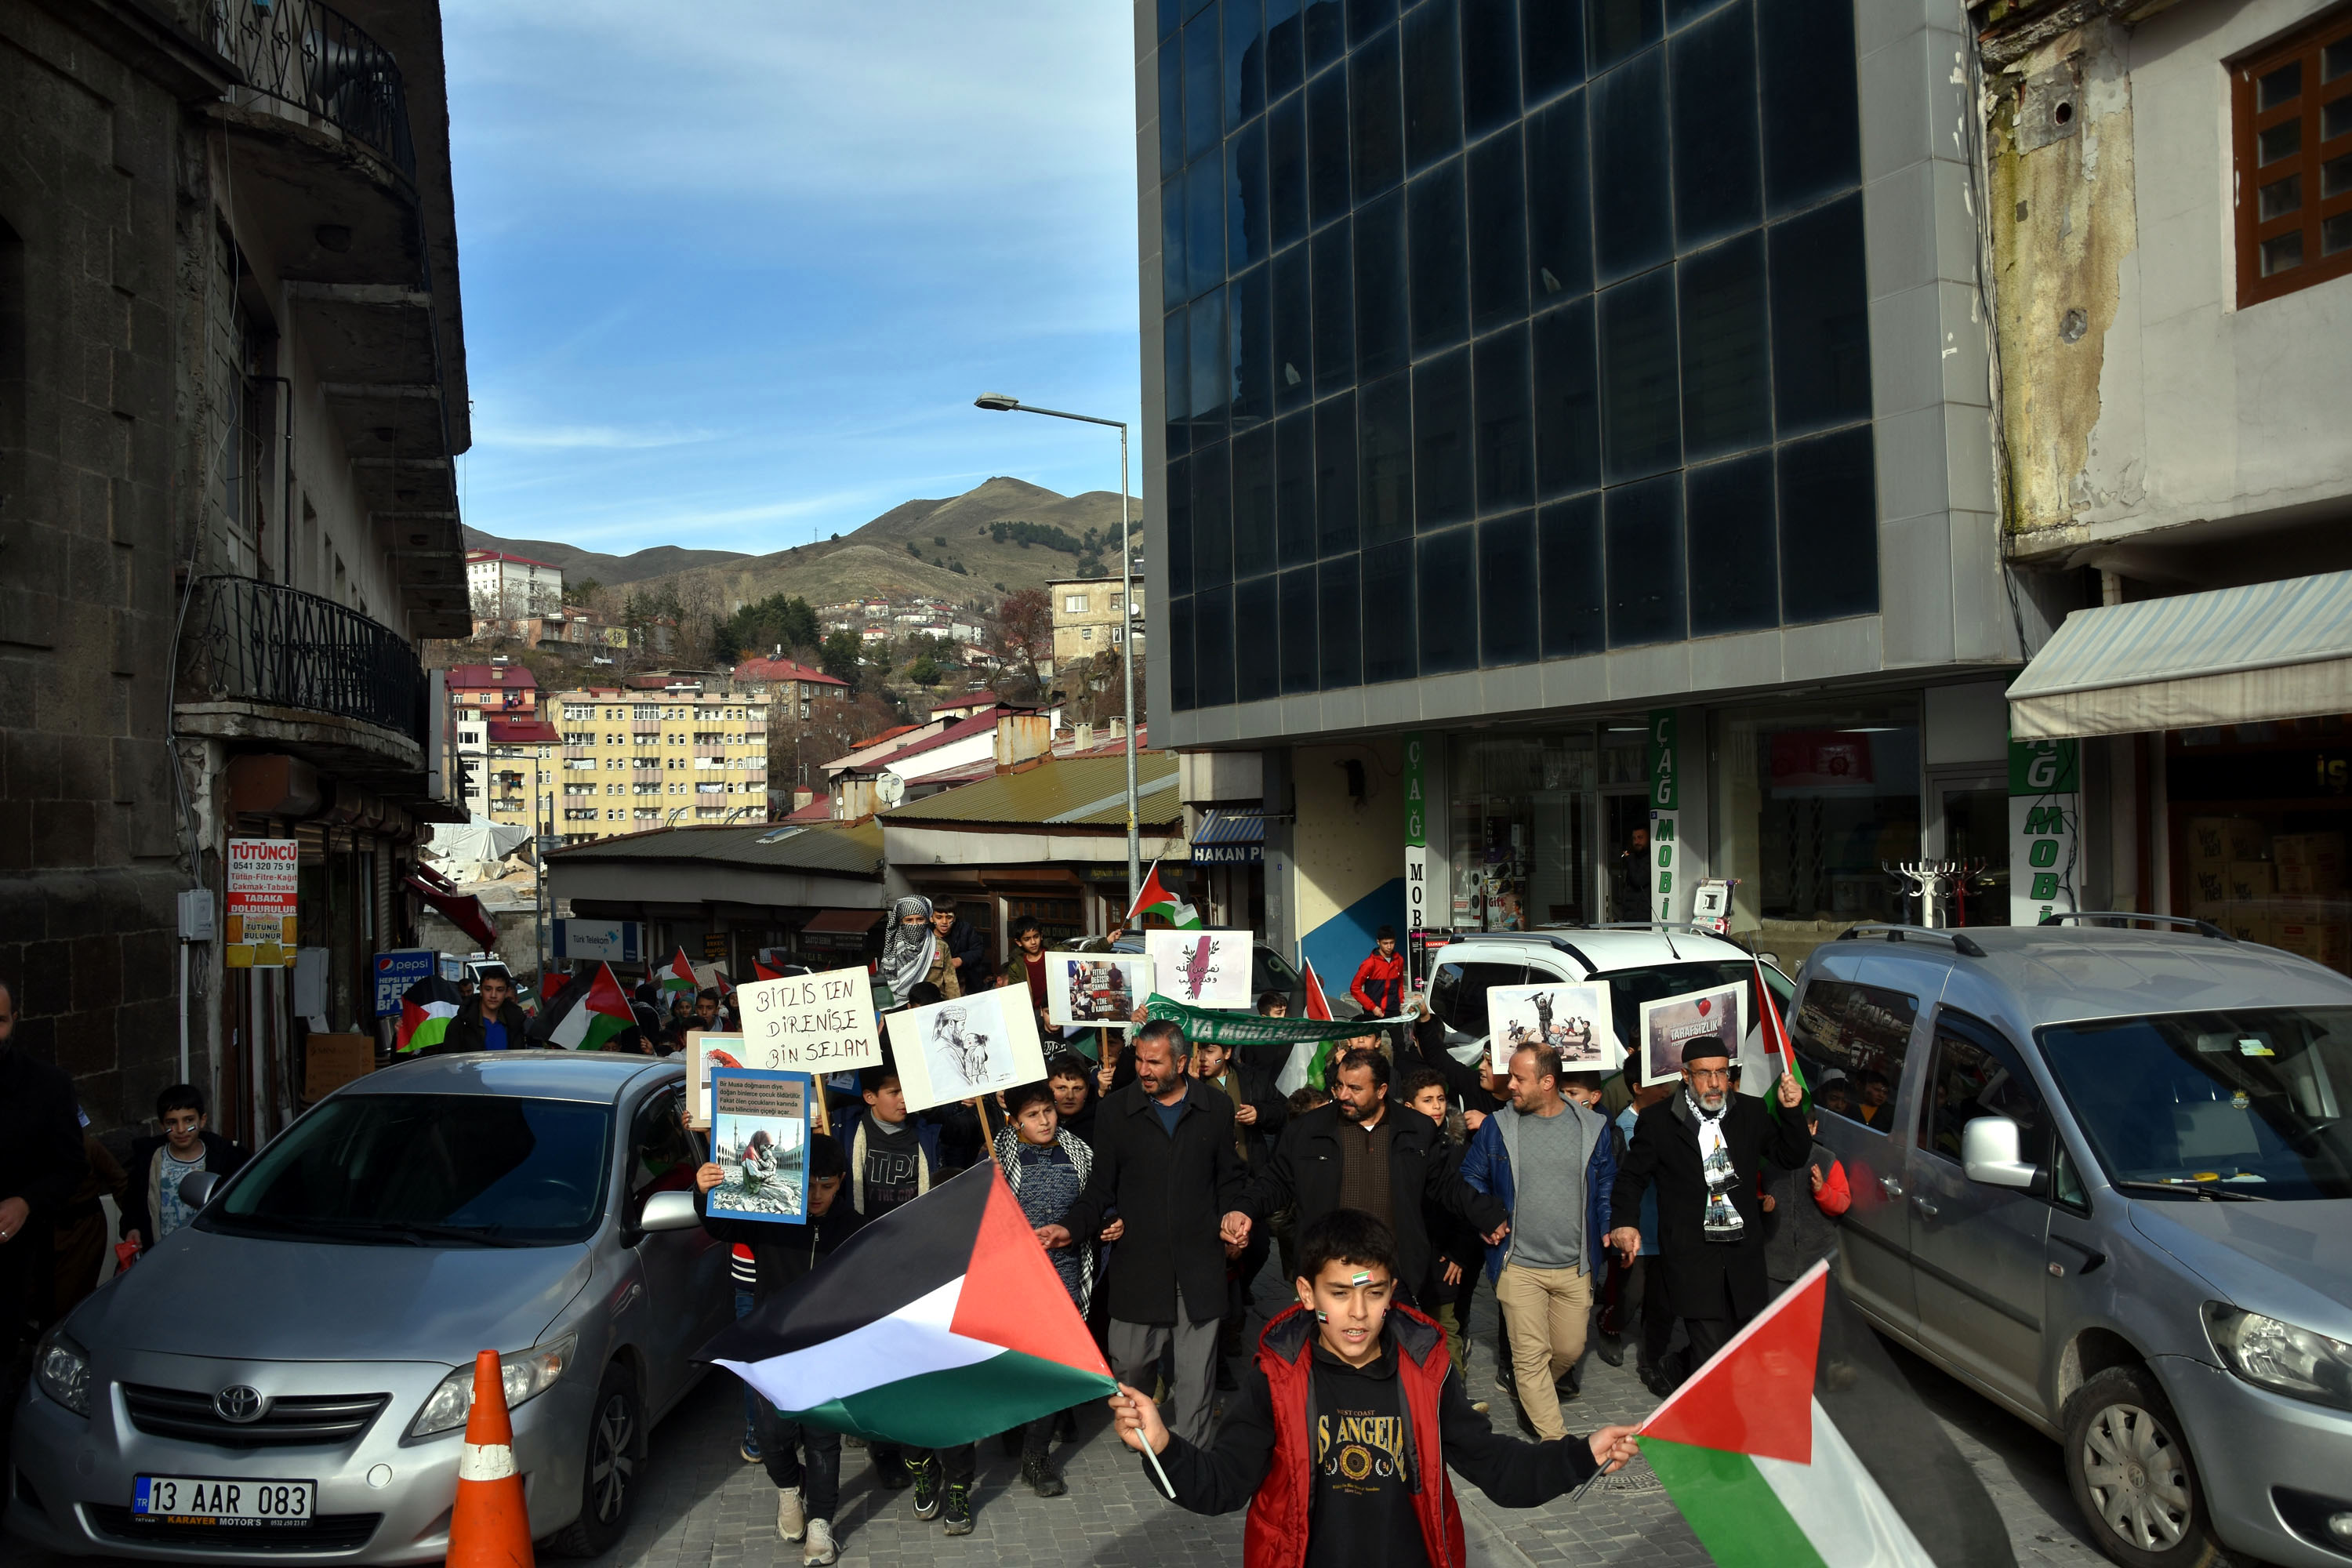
<point x="525" y="1374"/>
<point x="2280" y="1356"/>
<point x="63" y="1368"/>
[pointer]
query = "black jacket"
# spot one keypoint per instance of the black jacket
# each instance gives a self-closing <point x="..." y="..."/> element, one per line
<point x="1304" y="1170"/>
<point x="964" y="941"/>
<point x="222" y="1158"/>
<point x="1273" y="1110"/>
<point x="465" y="1030"/>
<point x="783" y="1253"/>
<point x="41" y="1157"/>
<point x="1664" y="1150"/>
<point x="1173" y="1192"/>
<point x="1465" y="1083"/>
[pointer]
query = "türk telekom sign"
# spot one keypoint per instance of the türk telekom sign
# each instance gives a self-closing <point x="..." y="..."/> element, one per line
<point x="262" y="880"/>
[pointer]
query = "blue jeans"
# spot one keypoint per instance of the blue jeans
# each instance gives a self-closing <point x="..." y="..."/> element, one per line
<point x="750" y="1400"/>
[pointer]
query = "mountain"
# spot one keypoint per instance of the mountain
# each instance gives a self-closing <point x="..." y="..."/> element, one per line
<point x="611" y="570"/>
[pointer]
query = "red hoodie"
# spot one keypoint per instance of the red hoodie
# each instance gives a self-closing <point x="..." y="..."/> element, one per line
<point x="1379" y="987"/>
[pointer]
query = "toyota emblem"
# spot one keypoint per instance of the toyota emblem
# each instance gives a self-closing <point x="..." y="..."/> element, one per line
<point x="239" y="1405"/>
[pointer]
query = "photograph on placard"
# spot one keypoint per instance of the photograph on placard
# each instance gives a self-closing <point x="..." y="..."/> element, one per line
<point x="1573" y="1020"/>
<point x="1099" y="990"/>
<point x="816" y="1023"/>
<point x="1670" y="1024"/>
<point x="1202" y="968"/>
<point x="966" y="1047"/>
<point x="707" y="1049"/>
<point x="758" y="1141"/>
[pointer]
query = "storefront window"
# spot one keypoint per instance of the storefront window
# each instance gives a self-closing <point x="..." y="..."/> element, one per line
<point x="2258" y="818"/>
<point x="1810" y="804"/>
<point x="1522" y="828"/>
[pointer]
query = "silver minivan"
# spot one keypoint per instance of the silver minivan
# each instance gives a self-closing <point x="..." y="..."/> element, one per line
<point x="289" y="1374"/>
<point x="2105" y="1176"/>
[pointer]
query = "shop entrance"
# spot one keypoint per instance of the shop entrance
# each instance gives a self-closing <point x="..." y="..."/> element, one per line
<point x="1540" y="823"/>
<point x="1625" y="860"/>
<point x="1968" y="823"/>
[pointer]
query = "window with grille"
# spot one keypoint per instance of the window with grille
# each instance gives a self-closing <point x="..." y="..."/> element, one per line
<point x="2291" y="110"/>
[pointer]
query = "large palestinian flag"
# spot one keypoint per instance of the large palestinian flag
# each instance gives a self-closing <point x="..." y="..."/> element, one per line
<point x="426" y="1009"/>
<point x="586" y="1017"/>
<point x="1799" y="1445"/>
<point x="939" y="1323"/>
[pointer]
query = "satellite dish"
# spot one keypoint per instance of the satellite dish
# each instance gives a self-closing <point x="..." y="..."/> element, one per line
<point x="890" y="789"/>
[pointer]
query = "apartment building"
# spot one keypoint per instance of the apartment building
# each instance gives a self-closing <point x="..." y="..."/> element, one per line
<point x="512" y="588"/>
<point x="1090" y="616"/>
<point x="479" y="694"/>
<point x="636" y="760"/>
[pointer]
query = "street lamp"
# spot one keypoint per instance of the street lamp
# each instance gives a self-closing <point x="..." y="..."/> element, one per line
<point x="999" y="403"/>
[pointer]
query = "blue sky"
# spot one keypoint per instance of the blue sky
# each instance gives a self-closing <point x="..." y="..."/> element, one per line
<point x="733" y="272"/>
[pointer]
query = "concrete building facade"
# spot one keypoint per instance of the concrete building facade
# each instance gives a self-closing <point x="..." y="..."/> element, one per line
<point x="1091" y="616"/>
<point x="637" y="759"/>
<point x="512" y="588"/>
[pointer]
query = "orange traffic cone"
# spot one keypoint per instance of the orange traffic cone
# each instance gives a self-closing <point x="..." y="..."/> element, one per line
<point x="489" y="1527"/>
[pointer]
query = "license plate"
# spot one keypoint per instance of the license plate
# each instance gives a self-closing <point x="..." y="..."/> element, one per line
<point x="211" y="1500"/>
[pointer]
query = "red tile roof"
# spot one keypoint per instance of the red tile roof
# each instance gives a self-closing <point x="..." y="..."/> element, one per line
<point x="784" y="669"/>
<point x="523" y="732"/>
<point x="489" y="677"/>
<point x="818" y="810"/>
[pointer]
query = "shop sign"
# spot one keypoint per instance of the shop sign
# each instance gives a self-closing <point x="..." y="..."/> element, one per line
<point x="2046" y="829"/>
<point x="1416" y="832"/>
<point x="262" y="880"/>
<point x="1665" y="801"/>
<point x="606" y="942"/>
<point x="396" y="971"/>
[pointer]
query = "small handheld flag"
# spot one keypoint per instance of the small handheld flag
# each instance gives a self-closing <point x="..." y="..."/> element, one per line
<point x="1775" y="1032"/>
<point x="679" y="975"/>
<point x="587" y="1017"/>
<point x="426" y="1009"/>
<point x="761" y="972"/>
<point x="1154" y="898"/>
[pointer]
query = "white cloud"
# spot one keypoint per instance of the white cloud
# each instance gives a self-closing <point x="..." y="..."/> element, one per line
<point x="576" y="437"/>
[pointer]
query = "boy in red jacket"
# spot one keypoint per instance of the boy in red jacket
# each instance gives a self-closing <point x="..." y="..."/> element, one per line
<point x="1347" y="1419"/>
<point x="1379" y="988"/>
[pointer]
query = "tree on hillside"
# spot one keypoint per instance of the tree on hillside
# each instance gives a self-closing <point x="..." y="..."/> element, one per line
<point x="776" y="621"/>
<point x="839" y="656"/>
<point x="1020" y="635"/>
<point x="798" y="748"/>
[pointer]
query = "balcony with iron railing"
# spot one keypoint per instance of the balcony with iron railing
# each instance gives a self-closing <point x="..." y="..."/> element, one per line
<point x="268" y="663"/>
<point x="313" y="58"/>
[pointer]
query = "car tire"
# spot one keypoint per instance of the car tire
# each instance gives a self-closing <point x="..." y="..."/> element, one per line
<point x="2132" y="1475"/>
<point x="608" y="1473"/>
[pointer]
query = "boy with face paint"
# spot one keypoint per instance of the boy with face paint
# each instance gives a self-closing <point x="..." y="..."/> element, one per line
<point x="1349" y="1418"/>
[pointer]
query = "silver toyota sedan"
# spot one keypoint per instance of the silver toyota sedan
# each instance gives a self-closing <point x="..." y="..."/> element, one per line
<point x="289" y="1374"/>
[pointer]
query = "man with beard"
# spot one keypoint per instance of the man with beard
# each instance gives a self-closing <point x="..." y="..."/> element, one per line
<point x="1703" y="1146"/>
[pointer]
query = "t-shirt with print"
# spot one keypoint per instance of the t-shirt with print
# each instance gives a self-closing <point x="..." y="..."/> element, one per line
<point x="894" y="1163"/>
<point x="1363" y="1501"/>
<point x="172" y="1210"/>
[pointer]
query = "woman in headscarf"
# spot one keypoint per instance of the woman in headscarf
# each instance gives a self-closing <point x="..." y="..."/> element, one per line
<point x="913" y="954"/>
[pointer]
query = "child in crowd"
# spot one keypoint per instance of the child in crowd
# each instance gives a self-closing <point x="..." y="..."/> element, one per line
<point x="1797" y="1234"/>
<point x="1072" y="1078"/>
<point x="158" y="1165"/>
<point x="893" y="1158"/>
<point x="1458" y="1253"/>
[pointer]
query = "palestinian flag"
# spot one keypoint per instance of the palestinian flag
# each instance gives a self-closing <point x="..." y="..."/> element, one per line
<point x="679" y="975"/>
<point x="1154" y="898"/>
<point x="761" y="972"/>
<point x="426" y="1009"/>
<point x="1775" y="1032"/>
<point x="1315" y="1066"/>
<point x="939" y="1323"/>
<point x="1798" y="1445"/>
<point x="588" y="1016"/>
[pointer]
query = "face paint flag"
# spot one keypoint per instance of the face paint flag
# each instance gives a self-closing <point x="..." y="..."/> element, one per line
<point x="937" y="1324"/>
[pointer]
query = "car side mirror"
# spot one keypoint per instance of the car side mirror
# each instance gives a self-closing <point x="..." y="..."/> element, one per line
<point x="196" y="1188"/>
<point x="671" y="1210"/>
<point x="1989" y="1153"/>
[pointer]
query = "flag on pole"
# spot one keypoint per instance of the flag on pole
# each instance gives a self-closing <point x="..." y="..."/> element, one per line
<point x="1319" y="1006"/>
<point x="1775" y="1032"/>
<point x="426" y="1009"/>
<point x="761" y="972"/>
<point x="591" y="1014"/>
<point x="1798" y="1445"/>
<point x="939" y="1323"/>
<point x="679" y="975"/>
<point x="1154" y="898"/>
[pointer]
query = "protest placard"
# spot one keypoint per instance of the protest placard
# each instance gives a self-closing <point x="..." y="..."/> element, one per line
<point x="821" y="1022"/>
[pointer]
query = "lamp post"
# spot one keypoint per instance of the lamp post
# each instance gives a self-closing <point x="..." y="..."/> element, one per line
<point x="998" y="403"/>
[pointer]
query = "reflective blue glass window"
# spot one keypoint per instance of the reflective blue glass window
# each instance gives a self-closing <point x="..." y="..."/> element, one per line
<point x="1172" y="110"/>
<point x="1680" y="11"/>
<point x="1253" y="544"/>
<point x="1172" y="17"/>
<point x="1569" y="565"/>
<point x="1506" y="589"/>
<point x="1257" y="666"/>
<point x="1176" y="383"/>
<point x="1617" y="29"/>
<point x="1734" y="551"/>
<point x="1245" y="62"/>
<point x="1338" y="608"/>
<point x="1326" y="147"/>
<point x="1295" y="597"/>
<point x="1204" y="224"/>
<point x="1366" y="17"/>
<point x="1641" y="413"/>
<point x="1447" y="588"/>
<point x="1331" y="261"/>
<point x="1384" y="456"/>
<point x="1175" y="287"/>
<point x="1213" y="381"/>
<point x="1643" y="523"/>
<point x="1719" y="181"/>
<point x="1179" y="502"/>
<point x="1560" y="206"/>
<point x="1203" y="86"/>
<point x="1294" y="330"/>
<point x="1438" y="260"/>
<point x="1294" y="487"/>
<point x="1213" y="516"/>
<point x="1820" y="320"/>
<point x="1326" y="39"/>
<point x="1829" y="527"/>
<point x="1375" y="116"/>
<point x="1335" y="476"/>
<point x="1286" y="172"/>
<point x="1442" y="463"/>
<point x="1253" y="349"/>
<point x="1567" y="401"/>
<point x="1507" y="455"/>
<point x="1490" y="65"/>
<point x="1633" y="222"/>
<point x="1388" y="651"/>
<point x="1432" y="84"/>
<point x="1498" y="232"/>
<point x="1727" y="359"/>
<point x="1380" y="335"/>
<point x="1212" y="647"/>
<point x="1551" y="47"/>
<point x="1812" y="135"/>
<point x="1183" y="690"/>
<point x="1285" y="47"/>
<point x="1248" y="219"/>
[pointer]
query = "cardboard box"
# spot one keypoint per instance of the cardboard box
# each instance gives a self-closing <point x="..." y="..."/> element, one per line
<point x="2247" y="922"/>
<point x="330" y="1061"/>
<point x="2309" y="862"/>
<point x="2249" y="880"/>
<point x="2220" y="840"/>
<point x="2208" y="884"/>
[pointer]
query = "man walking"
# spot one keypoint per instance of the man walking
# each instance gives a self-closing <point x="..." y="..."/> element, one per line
<point x="1259" y="1112"/>
<point x="491" y="1022"/>
<point x="1704" y="1147"/>
<point x="1550" y="1162"/>
<point x="1164" y="1158"/>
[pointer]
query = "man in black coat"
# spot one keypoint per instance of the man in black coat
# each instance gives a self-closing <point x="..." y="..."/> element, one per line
<point x="967" y="951"/>
<point x="1164" y="1158"/>
<point x="492" y="1021"/>
<point x="1703" y="1147"/>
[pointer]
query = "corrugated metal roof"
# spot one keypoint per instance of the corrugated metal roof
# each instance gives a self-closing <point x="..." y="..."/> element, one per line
<point x="1085" y="792"/>
<point x="842" y="850"/>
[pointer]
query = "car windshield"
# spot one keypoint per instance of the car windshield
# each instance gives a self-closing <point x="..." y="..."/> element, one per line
<point x="432" y="1168"/>
<point x="2252" y="1098"/>
<point x="1629" y="989"/>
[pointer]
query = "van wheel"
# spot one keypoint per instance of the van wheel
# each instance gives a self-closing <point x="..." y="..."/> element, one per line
<point x="608" y="1478"/>
<point x="2132" y="1475"/>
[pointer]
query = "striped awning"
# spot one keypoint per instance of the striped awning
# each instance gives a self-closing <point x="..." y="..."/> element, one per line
<point x="2232" y="655"/>
<point x="1230" y="838"/>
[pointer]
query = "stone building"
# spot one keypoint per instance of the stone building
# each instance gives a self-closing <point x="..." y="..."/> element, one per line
<point x="1091" y="617"/>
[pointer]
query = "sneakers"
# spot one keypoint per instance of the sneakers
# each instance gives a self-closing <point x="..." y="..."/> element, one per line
<point x="790" y="1522"/>
<point x="1041" y="1477"/>
<point x="927" y="1488"/>
<point x="821" y="1549"/>
<point x="750" y="1449"/>
<point x="1480" y="1406"/>
<point x="892" y="1473"/>
<point x="958" y="1511"/>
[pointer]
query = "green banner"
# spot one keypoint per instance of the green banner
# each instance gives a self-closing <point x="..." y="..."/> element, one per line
<point x="1217" y="1026"/>
<point x="1416" y="795"/>
<point x="1665" y="776"/>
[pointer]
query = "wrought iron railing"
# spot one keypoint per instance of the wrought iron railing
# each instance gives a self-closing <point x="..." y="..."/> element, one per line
<point x="316" y="58"/>
<point x="257" y="642"/>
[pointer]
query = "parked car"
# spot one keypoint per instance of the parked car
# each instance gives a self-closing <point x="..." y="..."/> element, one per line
<point x="290" y="1372"/>
<point x="2107" y="1183"/>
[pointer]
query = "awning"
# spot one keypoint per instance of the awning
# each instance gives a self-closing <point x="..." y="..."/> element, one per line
<point x="839" y="930"/>
<point x="464" y="910"/>
<point x="1230" y="838"/>
<point x="2233" y="656"/>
